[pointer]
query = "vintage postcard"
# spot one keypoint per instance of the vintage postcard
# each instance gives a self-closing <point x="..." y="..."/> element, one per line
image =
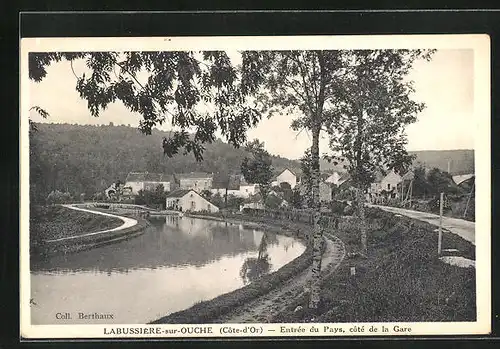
<point x="310" y="186"/>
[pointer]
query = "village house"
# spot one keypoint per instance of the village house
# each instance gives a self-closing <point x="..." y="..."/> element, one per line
<point x="197" y="181"/>
<point x="237" y="187"/>
<point x="337" y="178"/>
<point x="384" y="187"/>
<point x="219" y="186"/>
<point x="285" y="176"/>
<point x="188" y="200"/>
<point x="247" y="189"/>
<point x="137" y="181"/>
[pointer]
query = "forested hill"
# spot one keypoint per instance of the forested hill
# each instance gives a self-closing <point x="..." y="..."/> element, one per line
<point x="461" y="160"/>
<point x="87" y="159"/>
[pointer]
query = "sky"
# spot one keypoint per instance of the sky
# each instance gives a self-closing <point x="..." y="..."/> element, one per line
<point x="445" y="85"/>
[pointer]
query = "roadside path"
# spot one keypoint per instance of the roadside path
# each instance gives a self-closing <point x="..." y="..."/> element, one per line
<point x="266" y="307"/>
<point x="127" y="223"/>
<point x="464" y="229"/>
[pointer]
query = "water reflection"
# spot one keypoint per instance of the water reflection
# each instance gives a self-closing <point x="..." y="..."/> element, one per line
<point x="255" y="267"/>
<point x="177" y="262"/>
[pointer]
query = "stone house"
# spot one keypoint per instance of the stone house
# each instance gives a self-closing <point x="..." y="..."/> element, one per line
<point x="197" y="181"/>
<point x="188" y="200"/>
<point x="137" y="181"/>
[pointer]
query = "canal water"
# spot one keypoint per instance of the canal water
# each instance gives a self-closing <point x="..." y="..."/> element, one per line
<point x="176" y="263"/>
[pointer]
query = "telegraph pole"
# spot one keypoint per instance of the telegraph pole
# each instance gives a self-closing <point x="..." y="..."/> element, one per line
<point x="440" y="237"/>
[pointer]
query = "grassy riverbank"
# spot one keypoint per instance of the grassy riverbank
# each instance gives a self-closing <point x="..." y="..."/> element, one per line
<point x="401" y="279"/>
<point x="54" y="222"/>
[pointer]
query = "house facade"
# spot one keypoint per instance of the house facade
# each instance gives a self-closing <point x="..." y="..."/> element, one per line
<point x="384" y="187"/>
<point x="237" y="187"/>
<point x="188" y="200"/>
<point x="137" y="181"/>
<point x="286" y="176"/>
<point x="197" y="181"/>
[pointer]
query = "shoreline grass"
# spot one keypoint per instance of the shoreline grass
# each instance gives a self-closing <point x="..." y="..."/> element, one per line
<point x="401" y="280"/>
<point x="52" y="222"/>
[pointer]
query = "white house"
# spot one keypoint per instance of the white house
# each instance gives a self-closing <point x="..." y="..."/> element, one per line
<point x="247" y="189"/>
<point x="237" y="187"/>
<point x="221" y="184"/>
<point x="285" y="176"/>
<point x="137" y="181"/>
<point x="388" y="184"/>
<point x="390" y="181"/>
<point x="188" y="200"/>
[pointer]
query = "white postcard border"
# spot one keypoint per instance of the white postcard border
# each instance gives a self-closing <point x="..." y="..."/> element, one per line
<point x="480" y="43"/>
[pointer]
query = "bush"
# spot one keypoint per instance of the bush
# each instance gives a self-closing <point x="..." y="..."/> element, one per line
<point x="58" y="197"/>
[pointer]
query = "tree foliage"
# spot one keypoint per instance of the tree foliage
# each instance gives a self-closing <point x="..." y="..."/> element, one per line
<point x="372" y="108"/>
<point x="200" y="92"/>
<point x="87" y="159"/>
<point x="257" y="168"/>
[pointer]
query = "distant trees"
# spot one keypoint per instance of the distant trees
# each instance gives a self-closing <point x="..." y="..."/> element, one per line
<point x="86" y="159"/>
<point x="432" y="183"/>
<point x="230" y="201"/>
<point x="152" y="198"/>
<point x="257" y="167"/>
<point x="58" y="197"/>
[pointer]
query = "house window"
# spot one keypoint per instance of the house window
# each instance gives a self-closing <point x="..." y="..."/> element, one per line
<point x="388" y="186"/>
<point x="193" y="205"/>
<point x="208" y="207"/>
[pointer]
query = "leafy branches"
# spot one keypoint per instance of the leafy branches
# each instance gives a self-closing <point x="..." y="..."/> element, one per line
<point x="179" y="87"/>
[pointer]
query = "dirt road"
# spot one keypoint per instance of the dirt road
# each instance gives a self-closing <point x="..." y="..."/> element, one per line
<point x="460" y="227"/>
<point x="264" y="308"/>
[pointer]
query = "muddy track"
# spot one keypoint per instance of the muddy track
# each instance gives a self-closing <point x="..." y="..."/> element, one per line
<point x="268" y="306"/>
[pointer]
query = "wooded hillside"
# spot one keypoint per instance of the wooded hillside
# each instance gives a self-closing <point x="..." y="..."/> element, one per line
<point x="461" y="161"/>
<point x="87" y="159"/>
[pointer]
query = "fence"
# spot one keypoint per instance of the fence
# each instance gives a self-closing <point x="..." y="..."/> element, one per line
<point x="301" y="216"/>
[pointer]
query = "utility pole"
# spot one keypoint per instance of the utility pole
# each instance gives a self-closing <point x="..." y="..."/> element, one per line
<point x="468" y="200"/>
<point x="440" y="237"/>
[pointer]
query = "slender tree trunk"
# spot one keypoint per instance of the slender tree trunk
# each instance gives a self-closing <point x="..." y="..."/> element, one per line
<point x="317" y="233"/>
<point x="360" y="198"/>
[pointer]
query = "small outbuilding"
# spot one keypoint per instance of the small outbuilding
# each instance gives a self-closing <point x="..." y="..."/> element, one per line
<point x="188" y="200"/>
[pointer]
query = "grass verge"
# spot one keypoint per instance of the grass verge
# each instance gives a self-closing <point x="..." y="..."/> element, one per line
<point x="401" y="280"/>
<point x="53" y="222"/>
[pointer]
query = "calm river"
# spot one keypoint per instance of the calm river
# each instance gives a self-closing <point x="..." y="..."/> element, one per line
<point x="176" y="263"/>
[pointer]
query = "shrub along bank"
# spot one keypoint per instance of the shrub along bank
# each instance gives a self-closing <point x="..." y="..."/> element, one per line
<point x="401" y="279"/>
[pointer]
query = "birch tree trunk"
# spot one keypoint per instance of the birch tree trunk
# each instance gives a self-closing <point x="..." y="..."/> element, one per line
<point x="360" y="198"/>
<point x="317" y="233"/>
